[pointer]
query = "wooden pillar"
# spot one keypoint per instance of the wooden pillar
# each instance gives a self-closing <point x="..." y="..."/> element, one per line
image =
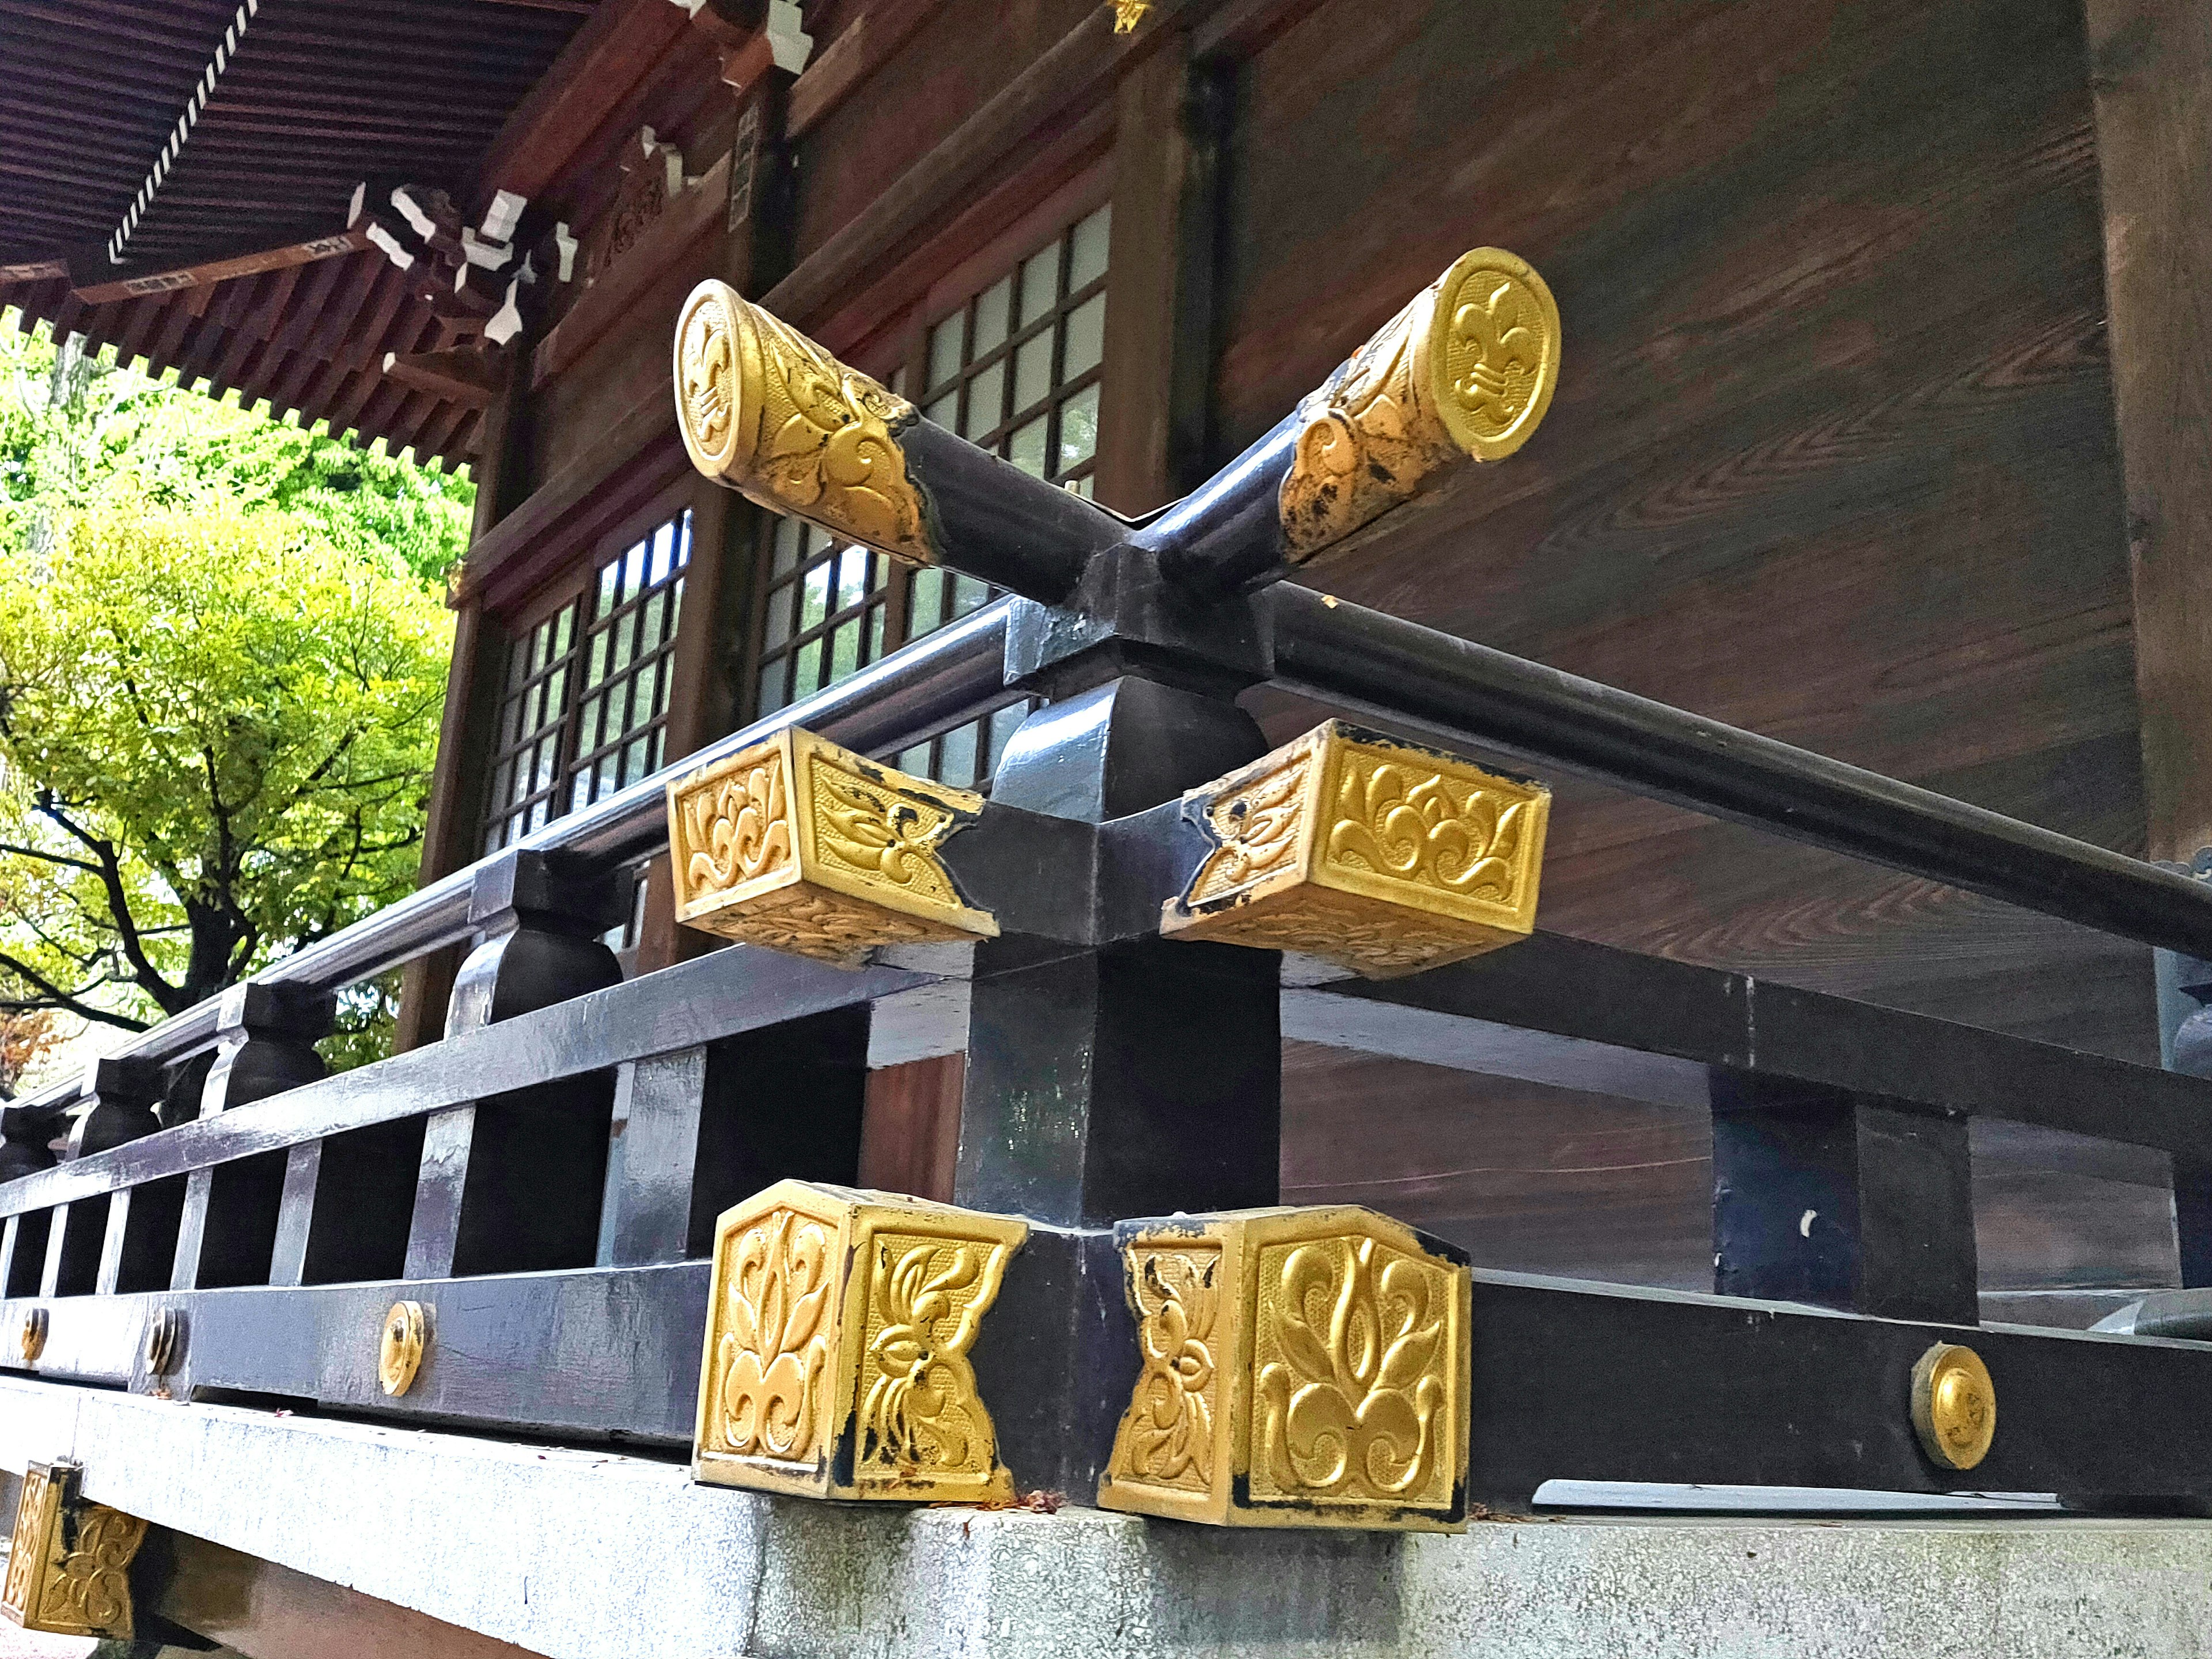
<point x="2151" y="73"/>
<point x="1152" y="437"/>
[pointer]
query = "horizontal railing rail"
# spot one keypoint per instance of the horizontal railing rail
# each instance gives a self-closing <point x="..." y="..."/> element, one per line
<point x="930" y="686"/>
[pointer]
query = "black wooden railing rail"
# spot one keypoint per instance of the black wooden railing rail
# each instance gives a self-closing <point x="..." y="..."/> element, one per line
<point x="549" y="1174"/>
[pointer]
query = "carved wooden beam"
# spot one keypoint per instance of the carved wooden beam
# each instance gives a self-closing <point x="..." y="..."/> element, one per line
<point x="464" y="375"/>
<point x="219" y="268"/>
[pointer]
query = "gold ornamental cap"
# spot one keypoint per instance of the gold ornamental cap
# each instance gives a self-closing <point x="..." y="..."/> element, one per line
<point x="1493" y="351"/>
<point x="767" y="411"/>
<point x="1465" y="370"/>
<point x="1954" y="1405"/>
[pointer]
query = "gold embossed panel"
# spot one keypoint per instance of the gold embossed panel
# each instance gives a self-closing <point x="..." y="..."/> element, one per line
<point x="838" y="1336"/>
<point x="1378" y="855"/>
<point x="1300" y="1367"/>
<point x="69" y="1562"/>
<point x="799" y="844"/>
<point x="1465" y="370"/>
<point x="766" y="410"/>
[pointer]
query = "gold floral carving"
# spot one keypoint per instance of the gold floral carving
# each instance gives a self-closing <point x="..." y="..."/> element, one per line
<point x="798" y="845"/>
<point x="1377" y="855"/>
<point x="921" y="1417"/>
<point x="1300" y="1367"/>
<point x="1167" y="1437"/>
<point x="1465" y="370"/>
<point x="1129" y="14"/>
<point x="836" y="1361"/>
<point x="69" y="1562"/>
<point x="1353" y="1369"/>
<point x="766" y="410"/>
<point x="774" y="1348"/>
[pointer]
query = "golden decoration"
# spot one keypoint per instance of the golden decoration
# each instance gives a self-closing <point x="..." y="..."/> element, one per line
<point x="1381" y="856"/>
<point x="767" y="411"/>
<point x="799" y="844"/>
<point x="921" y="1412"/>
<point x="1127" y="14"/>
<point x="31" y="1335"/>
<point x="1954" y="1405"/>
<point x="162" y="1337"/>
<point x="1302" y="1367"/>
<point x="1168" y="1437"/>
<point x="839" y="1328"/>
<point x="1467" y="369"/>
<point x="405" y="1335"/>
<point x="69" y="1563"/>
<point x="774" y="1345"/>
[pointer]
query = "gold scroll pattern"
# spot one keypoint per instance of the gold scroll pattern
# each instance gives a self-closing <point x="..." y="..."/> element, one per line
<point x="27" y="1552"/>
<point x="920" y="1414"/>
<point x="90" y="1588"/>
<point x="1466" y="369"/>
<point x="1354" y="1367"/>
<point x="1420" y="826"/>
<point x="737" y="830"/>
<point x="775" y="1345"/>
<point x="883" y="834"/>
<point x="1260" y="829"/>
<point x="1339" y="928"/>
<point x="1166" y="1438"/>
<point x="765" y="410"/>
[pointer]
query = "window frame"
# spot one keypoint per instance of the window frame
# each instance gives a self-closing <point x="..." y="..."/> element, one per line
<point x="572" y="590"/>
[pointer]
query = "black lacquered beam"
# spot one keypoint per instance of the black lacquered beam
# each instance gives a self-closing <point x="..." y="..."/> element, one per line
<point x="1575" y="1015"/>
<point x="1399" y="672"/>
<point x="1581" y="1381"/>
<point x="935" y="683"/>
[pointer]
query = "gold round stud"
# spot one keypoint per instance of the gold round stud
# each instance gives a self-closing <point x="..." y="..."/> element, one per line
<point x="1954" y="1405"/>
<point x="162" y="1337"/>
<point x="30" y="1334"/>
<point x="399" y="1355"/>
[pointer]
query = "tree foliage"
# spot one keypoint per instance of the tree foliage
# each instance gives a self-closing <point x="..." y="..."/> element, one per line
<point x="78" y="432"/>
<point x="217" y="729"/>
<point x="222" y="663"/>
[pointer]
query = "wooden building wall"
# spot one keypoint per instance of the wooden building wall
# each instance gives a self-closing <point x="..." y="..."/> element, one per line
<point x="1834" y="458"/>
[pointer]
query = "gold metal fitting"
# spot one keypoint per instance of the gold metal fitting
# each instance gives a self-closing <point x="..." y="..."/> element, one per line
<point x="767" y="411"/>
<point x="162" y="1337"/>
<point x="69" y="1562"/>
<point x="1954" y="1405"/>
<point x="1467" y="369"/>
<point x="405" y="1335"/>
<point x="838" y="1332"/>
<point x="1302" y="1368"/>
<point x="1377" y="855"/>
<point x="31" y="1335"/>
<point x="799" y="844"/>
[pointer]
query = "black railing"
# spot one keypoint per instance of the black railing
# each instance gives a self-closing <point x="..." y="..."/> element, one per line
<point x="548" y="1176"/>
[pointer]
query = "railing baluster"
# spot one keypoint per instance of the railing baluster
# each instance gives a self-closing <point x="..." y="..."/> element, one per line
<point x="346" y="1205"/>
<point x="266" y="1035"/>
<point x="646" y="1215"/>
<point x="511" y="1183"/>
<point x="1830" y="1198"/>
<point x="122" y="1093"/>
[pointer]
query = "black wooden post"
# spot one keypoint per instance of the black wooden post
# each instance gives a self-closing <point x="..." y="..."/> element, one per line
<point x="1138" y="1077"/>
<point x="2193" y="1177"/>
<point x="26" y="1138"/>
<point x="226" y="1231"/>
<point x="1830" y="1198"/>
<point x="513" y="1182"/>
<point x="121" y="1093"/>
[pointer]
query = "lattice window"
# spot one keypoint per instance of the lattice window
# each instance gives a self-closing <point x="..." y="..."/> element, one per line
<point x="1015" y="370"/>
<point x="584" y="711"/>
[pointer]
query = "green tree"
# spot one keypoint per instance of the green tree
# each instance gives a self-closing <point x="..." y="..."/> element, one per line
<point x="78" y="434"/>
<point x="217" y="729"/>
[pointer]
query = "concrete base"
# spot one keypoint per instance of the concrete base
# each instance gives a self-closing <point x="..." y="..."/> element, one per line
<point x="589" y="1554"/>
